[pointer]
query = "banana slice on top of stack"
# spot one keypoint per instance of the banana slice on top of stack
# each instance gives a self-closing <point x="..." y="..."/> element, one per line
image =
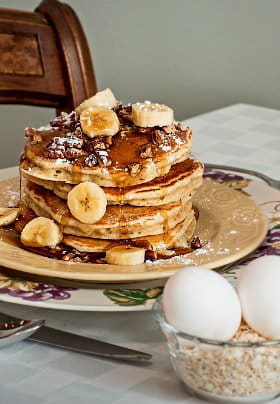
<point x="113" y="177"/>
<point x="148" y="114"/>
<point x="103" y="98"/>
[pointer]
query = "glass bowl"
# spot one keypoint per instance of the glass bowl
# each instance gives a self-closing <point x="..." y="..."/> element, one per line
<point x="223" y="372"/>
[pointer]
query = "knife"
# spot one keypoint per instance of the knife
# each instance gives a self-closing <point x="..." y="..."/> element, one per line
<point x="78" y="343"/>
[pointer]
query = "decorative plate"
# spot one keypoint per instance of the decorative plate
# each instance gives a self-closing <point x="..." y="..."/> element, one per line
<point x="236" y="226"/>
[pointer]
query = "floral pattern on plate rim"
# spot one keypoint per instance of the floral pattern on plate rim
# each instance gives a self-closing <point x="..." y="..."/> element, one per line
<point x="33" y="291"/>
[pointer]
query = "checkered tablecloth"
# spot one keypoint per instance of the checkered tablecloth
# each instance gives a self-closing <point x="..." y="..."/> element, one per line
<point x="240" y="135"/>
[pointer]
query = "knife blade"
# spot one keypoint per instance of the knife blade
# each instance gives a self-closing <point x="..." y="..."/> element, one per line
<point x="78" y="343"/>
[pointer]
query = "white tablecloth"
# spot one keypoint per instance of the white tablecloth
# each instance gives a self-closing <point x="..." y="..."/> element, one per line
<point x="241" y="135"/>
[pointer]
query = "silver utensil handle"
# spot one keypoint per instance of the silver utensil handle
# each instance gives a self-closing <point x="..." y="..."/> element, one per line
<point x="79" y="343"/>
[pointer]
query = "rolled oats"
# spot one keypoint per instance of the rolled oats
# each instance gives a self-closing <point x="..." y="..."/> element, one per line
<point x="231" y="370"/>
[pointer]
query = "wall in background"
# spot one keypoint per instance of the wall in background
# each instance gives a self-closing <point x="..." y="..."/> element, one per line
<point x="194" y="55"/>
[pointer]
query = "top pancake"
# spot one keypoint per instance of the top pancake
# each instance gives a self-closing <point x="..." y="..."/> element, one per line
<point x="135" y="155"/>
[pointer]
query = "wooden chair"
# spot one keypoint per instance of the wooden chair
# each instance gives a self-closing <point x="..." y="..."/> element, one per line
<point x="44" y="58"/>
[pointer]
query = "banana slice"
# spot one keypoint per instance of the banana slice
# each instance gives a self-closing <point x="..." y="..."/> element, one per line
<point x="41" y="232"/>
<point x="125" y="255"/>
<point x="99" y="122"/>
<point x="103" y="98"/>
<point x="8" y="216"/>
<point x="87" y="202"/>
<point x="149" y="114"/>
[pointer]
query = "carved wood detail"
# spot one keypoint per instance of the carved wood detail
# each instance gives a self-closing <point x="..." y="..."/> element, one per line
<point x="20" y="55"/>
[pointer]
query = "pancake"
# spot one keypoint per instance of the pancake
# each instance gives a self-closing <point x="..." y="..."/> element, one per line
<point x="178" y="237"/>
<point x="135" y="155"/>
<point x="178" y="184"/>
<point x="119" y="222"/>
<point x="138" y="155"/>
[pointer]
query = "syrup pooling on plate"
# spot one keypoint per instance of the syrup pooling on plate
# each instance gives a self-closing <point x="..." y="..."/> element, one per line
<point x="136" y="156"/>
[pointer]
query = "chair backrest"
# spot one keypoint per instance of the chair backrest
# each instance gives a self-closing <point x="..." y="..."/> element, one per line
<point x="44" y="57"/>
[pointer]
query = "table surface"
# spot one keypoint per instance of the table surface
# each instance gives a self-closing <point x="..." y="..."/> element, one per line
<point x="242" y="135"/>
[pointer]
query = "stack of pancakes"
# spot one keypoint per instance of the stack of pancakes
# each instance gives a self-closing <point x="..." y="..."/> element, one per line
<point x="147" y="174"/>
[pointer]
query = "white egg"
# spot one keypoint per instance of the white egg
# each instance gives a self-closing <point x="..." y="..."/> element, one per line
<point x="259" y="292"/>
<point x="203" y="303"/>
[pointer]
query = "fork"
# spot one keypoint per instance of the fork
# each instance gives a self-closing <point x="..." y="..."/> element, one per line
<point x="270" y="181"/>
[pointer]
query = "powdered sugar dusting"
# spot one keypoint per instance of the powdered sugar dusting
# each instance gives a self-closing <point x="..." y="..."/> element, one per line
<point x="12" y="196"/>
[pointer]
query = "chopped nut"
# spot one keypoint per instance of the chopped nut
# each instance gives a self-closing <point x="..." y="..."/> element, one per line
<point x="68" y="256"/>
<point x="196" y="243"/>
<point x="142" y="244"/>
<point x="134" y="169"/>
<point x="108" y="141"/>
<point x="69" y="122"/>
<point x="54" y="154"/>
<point x="169" y="129"/>
<point x="85" y="258"/>
<point x="162" y="254"/>
<point x="98" y="144"/>
<point x="100" y="261"/>
<point x="77" y="259"/>
<point x="103" y="158"/>
<point x="91" y="160"/>
<point x="36" y="139"/>
<point x="183" y="251"/>
<point x="162" y="139"/>
<point x="64" y="147"/>
<point x="181" y="127"/>
<point x="30" y="132"/>
<point x="56" y="248"/>
<point x="150" y="255"/>
<point x="145" y="151"/>
<point x="73" y="153"/>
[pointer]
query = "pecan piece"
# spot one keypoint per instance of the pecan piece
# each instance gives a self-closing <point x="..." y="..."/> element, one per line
<point x="108" y="141"/>
<point x="96" y="144"/>
<point x="103" y="158"/>
<point x="142" y="244"/>
<point x="134" y="169"/>
<point x="162" y="139"/>
<point x="183" y="128"/>
<point x="36" y="139"/>
<point x="91" y="160"/>
<point x="73" y="153"/>
<point x="183" y="251"/>
<point x="73" y="141"/>
<point x="165" y="254"/>
<point x="196" y="243"/>
<point x="150" y="255"/>
<point x="169" y="129"/>
<point x="145" y="151"/>
<point x="66" y="121"/>
<point x="54" y="154"/>
<point x="30" y="132"/>
<point x="68" y="257"/>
